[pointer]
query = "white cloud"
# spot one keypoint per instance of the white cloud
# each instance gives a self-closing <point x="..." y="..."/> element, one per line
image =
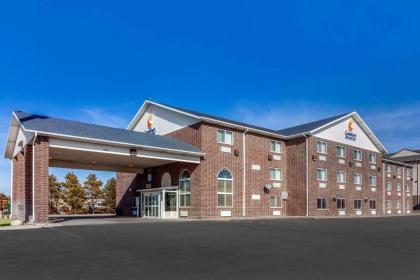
<point x="104" y="117"/>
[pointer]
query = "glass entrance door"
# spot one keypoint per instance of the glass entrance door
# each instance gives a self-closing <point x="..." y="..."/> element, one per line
<point x="151" y="205"/>
<point x="170" y="204"/>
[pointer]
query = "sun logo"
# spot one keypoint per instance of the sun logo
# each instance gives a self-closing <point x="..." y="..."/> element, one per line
<point x="350" y="126"/>
<point x="150" y="122"/>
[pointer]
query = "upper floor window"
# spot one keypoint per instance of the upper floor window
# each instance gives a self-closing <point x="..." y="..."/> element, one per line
<point x="388" y="168"/>
<point x="224" y="137"/>
<point x="388" y="186"/>
<point x="321" y="147"/>
<point x="224" y="189"/>
<point x="357" y="179"/>
<point x="358" y="155"/>
<point x="275" y="147"/>
<point x="409" y="172"/>
<point x="184" y="189"/>
<point x="322" y="174"/>
<point x="341" y="177"/>
<point x="407" y="188"/>
<point x="276" y="174"/>
<point x="341" y="151"/>
<point x="372" y="158"/>
<point x="398" y="170"/>
<point x="372" y="181"/>
<point x="398" y="187"/>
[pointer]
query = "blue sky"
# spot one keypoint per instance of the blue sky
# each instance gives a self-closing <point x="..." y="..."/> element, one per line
<point x="271" y="63"/>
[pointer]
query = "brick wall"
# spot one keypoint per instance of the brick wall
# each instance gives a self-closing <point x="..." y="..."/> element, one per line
<point x="394" y="195"/>
<point x="41" y="179"/>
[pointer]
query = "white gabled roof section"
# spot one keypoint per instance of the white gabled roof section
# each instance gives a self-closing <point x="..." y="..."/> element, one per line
<point x="16" y="134"/>
<point x="365" y="128"/>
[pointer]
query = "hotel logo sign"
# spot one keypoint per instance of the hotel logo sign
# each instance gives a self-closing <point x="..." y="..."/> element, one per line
<point x="150" y="126"/>
<point x="349" y="134"/>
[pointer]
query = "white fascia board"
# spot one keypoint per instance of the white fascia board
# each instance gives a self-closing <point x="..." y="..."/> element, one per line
<point x="12" y="135"/>
<point x="64" y="136"/>
<point x="396" y="162"/>
<point x="331" y="123"/>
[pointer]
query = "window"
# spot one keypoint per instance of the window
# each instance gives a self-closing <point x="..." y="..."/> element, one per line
<point x="321" y="203"/>
<point x="275" y="174"/>
<point x="407" y="205"/>
<point x="357" y="204"/>
<point x="398" y="204"/>
<point x="407" y="188"/>
<point x="341" y="204"/>
<point x="372" y="204"/>
<point x="372" y="181"/>
<point x="388" y="187"/>
<point x="275" y="201"/>
<point x="321" y="147"/>
<point x="388" y="168"/>
<point x="134" y="202"/>
<point x="398" y="170"/>
<point x="388" y="204"/>
<point x="184" y="189"/>
<point x="224" y="189"/>
<point x="358" y="155"/>
<point x="398" y="187"/>
<point x="224" y="137"/>
<point x="341" y="177"/>
<point x="409" y="172"/>
<point x="275" y="147"/>
<point x="322" y="174"/>
<point x="357" y="179"/>
<point x="372" y="158"/>
<point x="341" y="151"/>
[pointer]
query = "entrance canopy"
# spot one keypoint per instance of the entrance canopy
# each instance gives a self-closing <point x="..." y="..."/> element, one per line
<point x="88" y="146"/>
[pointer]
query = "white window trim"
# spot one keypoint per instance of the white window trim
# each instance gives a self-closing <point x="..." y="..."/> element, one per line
<point x="277" y="199"/>
<point x="375" y="157"/>
<point x="376" y="181"/>
<point x="326" y="204"/>
<point x="281" y="175"/>
<point x="386" y="186"/>
<point x="354" y="155"/>
<point x="184" y="193"/>
<point x="277" y="142"/>
<point x="398" y="170"/>
<point x="375" y="204"/>
<point x="398" y="189"/>
<point x="326" y="175"/>
<point x="386" y="204"/>
<point x="407" y="188"/>
<point x="224" y="193"/>
<point x="345" y="202"/>
<point x="343" y="182"/>
<point x="388" y="170"/>
<point x="224" y="131"/>
<point x="340" y="146"/>
<point x="361" y="179"/>
<point x="361" y="205"/>
<point x="326" y="147"/>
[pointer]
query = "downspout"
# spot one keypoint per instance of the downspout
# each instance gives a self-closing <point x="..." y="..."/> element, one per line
<point x="244" y="173"/>
<point x="11" y="188"/>
<point x="403" y="191"/>
<point x="33" y="178"/>
<point x="307" y="173"/>
<point x="384" y="172"/>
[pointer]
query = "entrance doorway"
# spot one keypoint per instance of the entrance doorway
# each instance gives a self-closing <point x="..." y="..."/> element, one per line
<point x="160" y="203"/>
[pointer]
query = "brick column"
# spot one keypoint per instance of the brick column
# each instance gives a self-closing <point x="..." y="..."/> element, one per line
<point x="18" y="193"/>
<point x="41" y="195"/>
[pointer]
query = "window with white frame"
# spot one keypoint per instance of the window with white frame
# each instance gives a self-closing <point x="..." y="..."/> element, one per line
<point x="388" y="168"/>
<point x="184" y="189"/>
<point x="398" y="170"/>
<point x="357" y="155"/>
<point x="388" y="186"/>
<point x="275" y="201"/>
<point x="357" y="204"/>
<point x="372" y="204"/>
<point x="398" y="204"/>
<point x="224" y="189"/>
<point x="407" y="188"/>
<point x="409" y="172"/>
<point x="398" y="187"/>
<point x="407" y="205"/>
<point x="275" y="147"/>
<point x="321" y="203"/>
<point x="322" y="174"/>
<point x="321" y="147"/>
<point x="372" y="181"/>
<point x="388" y="204"/>
<point x="224" y="137"/>
<point x="341" y="177"/>
<point x="372" y="158"/>
<point x="341" y="204"/>
<point x="341" y="151"/>
<point x="276" y="174"/>
<point x="358" y="179"/>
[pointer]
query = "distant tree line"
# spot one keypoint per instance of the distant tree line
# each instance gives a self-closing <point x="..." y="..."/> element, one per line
<point x="72" y="197"/>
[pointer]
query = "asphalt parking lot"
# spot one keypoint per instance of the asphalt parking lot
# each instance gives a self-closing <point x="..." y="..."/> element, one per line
<point x="370" y="248"/>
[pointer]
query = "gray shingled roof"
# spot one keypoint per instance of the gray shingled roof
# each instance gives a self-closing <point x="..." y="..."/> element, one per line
<point x="300" y="129"/>
<point x="406" y="159"/>
<point x="51" y="125"/>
